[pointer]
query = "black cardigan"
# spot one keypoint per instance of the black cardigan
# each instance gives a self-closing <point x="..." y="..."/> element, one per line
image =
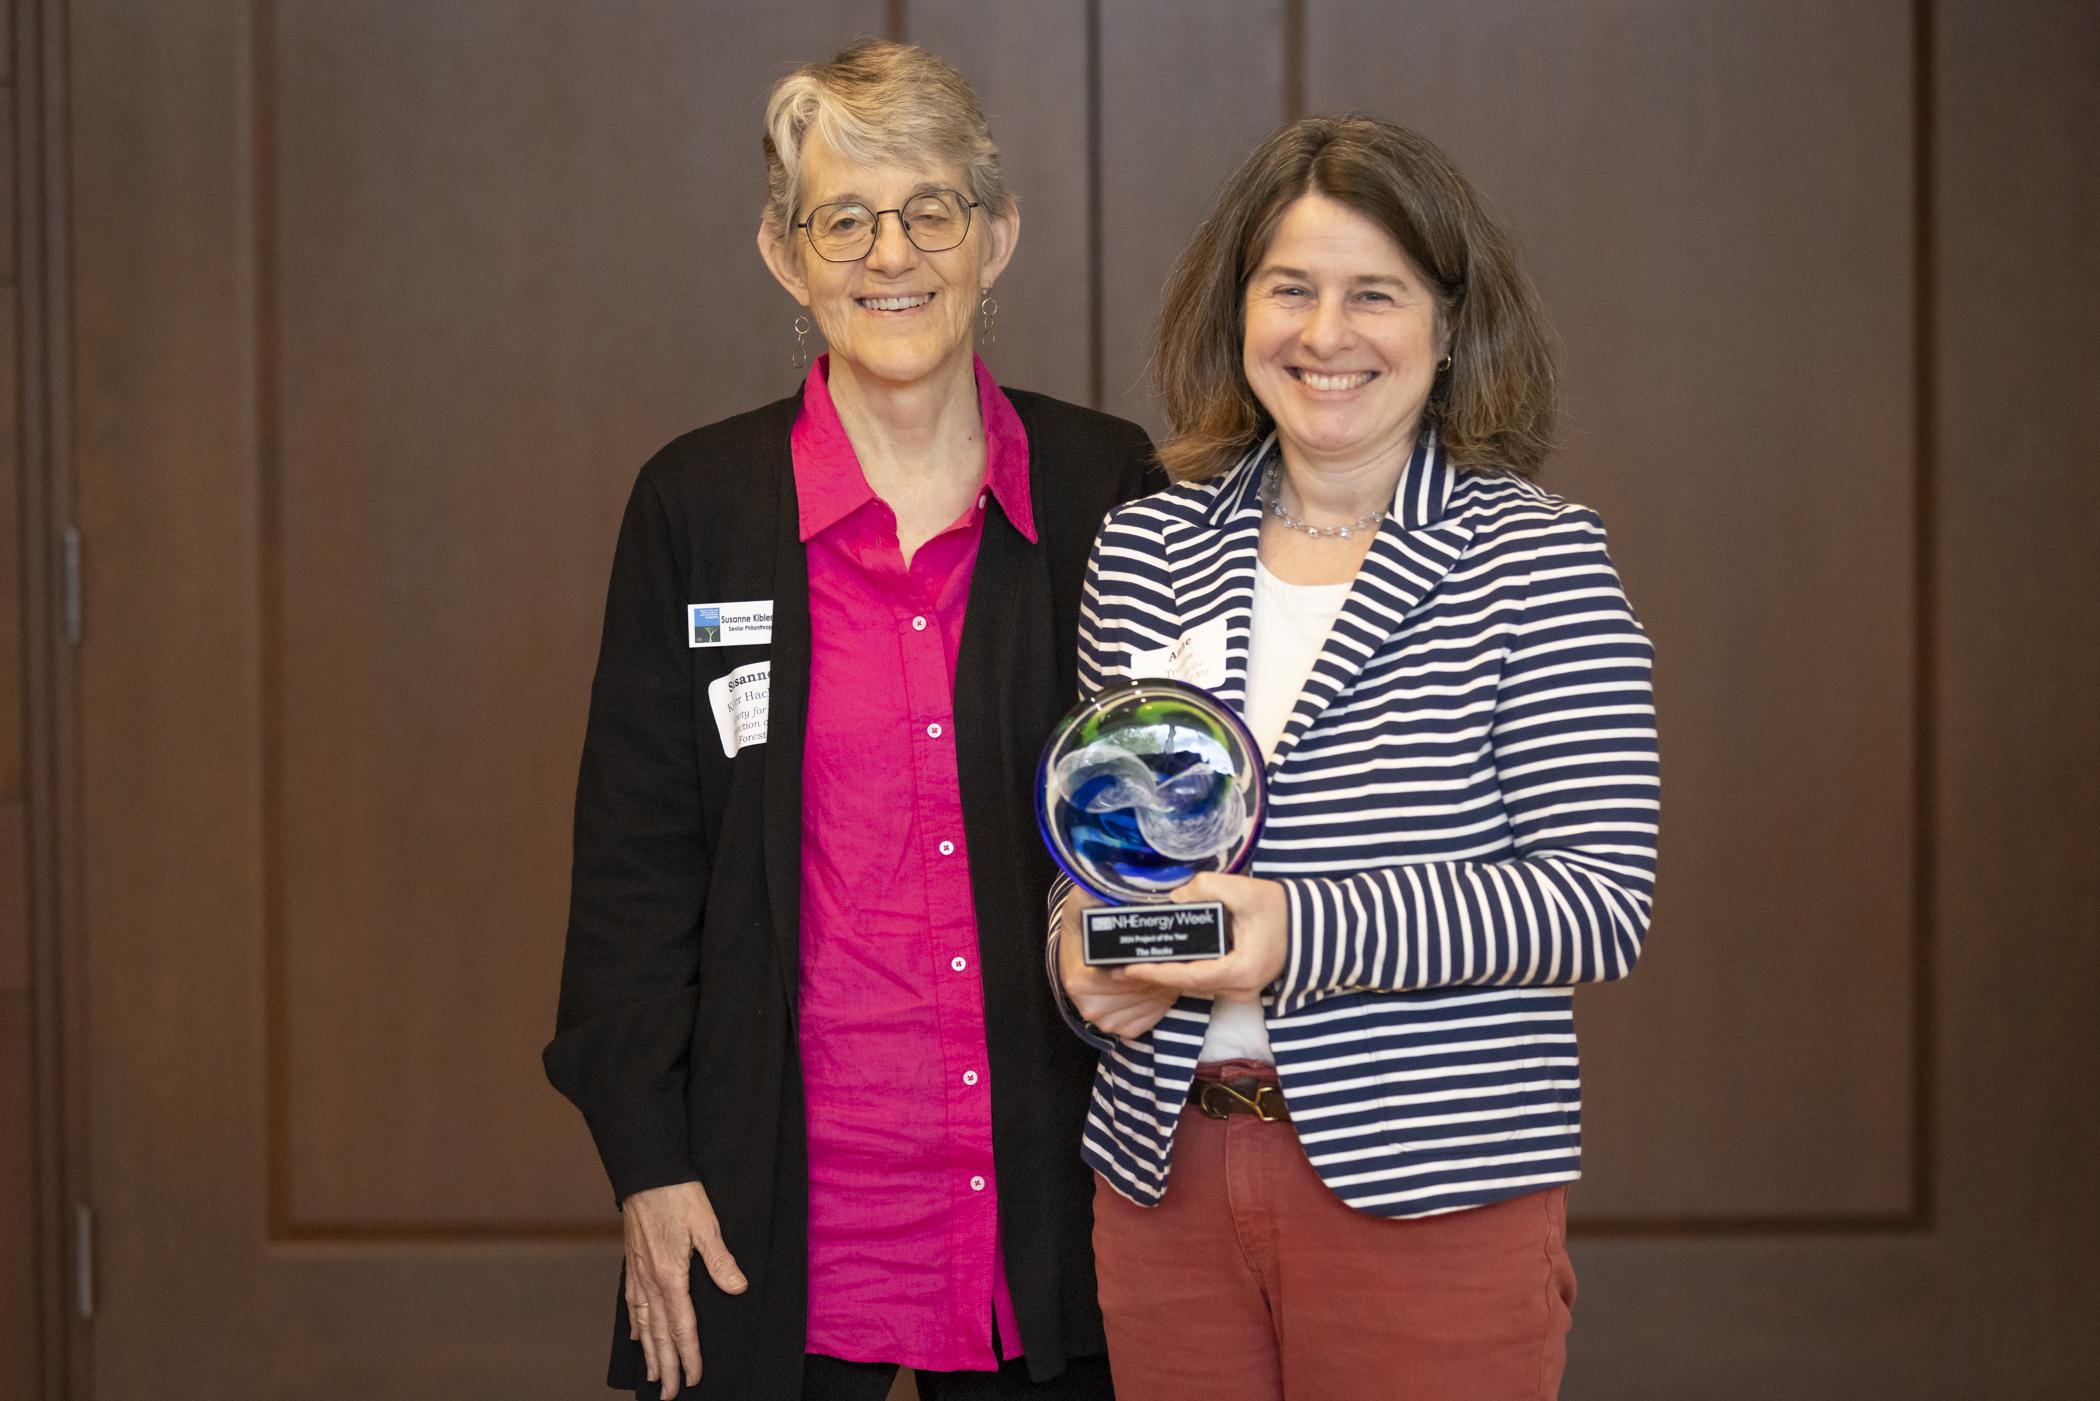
<point x="676" y="1031"/>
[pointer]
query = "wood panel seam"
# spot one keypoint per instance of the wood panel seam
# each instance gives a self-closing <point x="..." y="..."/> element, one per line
<point x="277" y="1038"/>
<point x="1293" y="60"/>
<point x="1925" y="615"/>
<point x="1096" y="310"/>
<point x="38" y="89"/>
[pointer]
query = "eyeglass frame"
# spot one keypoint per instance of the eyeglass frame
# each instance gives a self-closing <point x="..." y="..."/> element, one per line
<point x="875" y="224"/>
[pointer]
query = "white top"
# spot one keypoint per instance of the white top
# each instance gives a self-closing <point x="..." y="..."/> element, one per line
<point x="1291" y="623"/>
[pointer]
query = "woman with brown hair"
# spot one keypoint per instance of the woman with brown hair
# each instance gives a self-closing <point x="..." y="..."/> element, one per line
<point x="1333" y="1163"/>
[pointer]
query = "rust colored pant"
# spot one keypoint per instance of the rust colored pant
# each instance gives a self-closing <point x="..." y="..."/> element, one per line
<point x="1252" y="1281"/>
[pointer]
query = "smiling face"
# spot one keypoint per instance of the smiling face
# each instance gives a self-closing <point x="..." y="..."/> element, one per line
<point x="1342" y="337"/>
<point x="898" y="315"/>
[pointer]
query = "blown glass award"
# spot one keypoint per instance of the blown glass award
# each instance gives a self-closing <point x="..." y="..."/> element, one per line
<point x="1141" y="787"/>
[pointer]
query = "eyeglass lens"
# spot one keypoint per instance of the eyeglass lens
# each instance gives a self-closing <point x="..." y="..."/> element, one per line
<point x="934" y="221"/>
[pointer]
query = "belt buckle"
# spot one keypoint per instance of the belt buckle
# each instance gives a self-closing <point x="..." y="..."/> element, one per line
<point x="1256" y="1104"/>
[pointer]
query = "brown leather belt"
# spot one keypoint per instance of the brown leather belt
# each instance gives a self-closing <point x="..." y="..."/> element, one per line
<point x="1221" y="1098"/>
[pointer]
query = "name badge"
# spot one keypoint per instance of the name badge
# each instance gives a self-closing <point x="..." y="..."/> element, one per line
<point x="729" y="624"/>
<point x="1198" y="658"/>
<point x="739" y="701"/>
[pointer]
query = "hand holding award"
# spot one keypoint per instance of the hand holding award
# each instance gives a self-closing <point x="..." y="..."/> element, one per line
<point x="1141" y="788"/>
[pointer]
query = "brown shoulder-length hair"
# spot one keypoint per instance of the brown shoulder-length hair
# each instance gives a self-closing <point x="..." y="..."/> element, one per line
<point x="1494" y="407"/>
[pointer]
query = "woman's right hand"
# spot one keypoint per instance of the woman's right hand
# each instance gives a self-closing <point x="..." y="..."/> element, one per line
<point x="664" y="1226"/>
<point x="1103" y="997"/>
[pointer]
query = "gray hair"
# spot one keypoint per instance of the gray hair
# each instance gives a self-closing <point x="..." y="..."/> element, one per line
<point x="879" y="102"/>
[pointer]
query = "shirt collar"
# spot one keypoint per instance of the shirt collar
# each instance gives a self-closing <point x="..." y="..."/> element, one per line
<point x="829" y="485"/>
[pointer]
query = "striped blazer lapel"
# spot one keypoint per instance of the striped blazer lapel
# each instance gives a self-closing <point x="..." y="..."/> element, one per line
<point x="1210" y="556"/>
<point x="1415" y="548"/>
<point x="1213" y="567"/>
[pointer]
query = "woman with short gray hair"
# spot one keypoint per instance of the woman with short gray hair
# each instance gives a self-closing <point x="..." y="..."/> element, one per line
<point x="800" y="1008"/>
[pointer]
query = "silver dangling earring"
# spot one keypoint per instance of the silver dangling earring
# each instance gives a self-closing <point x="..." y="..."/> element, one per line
<point x="800" y="359"/>
<point x="1443" y="366"/>
<point x="988" y="311"/>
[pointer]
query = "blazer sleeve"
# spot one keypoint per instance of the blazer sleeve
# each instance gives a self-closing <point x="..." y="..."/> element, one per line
<point x="1574" y="749"/>
<point x="629" y="973"/>
<point x="1127" y="588"/>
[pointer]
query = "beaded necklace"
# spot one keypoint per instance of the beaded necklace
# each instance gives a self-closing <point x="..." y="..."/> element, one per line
<point x="1272" y="498"/>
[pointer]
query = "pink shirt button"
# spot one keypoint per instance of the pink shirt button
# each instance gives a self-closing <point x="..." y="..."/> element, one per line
<point x="899" y="1265"/>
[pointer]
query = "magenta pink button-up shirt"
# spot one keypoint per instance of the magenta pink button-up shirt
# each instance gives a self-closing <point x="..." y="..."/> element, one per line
<point x="903" y="1200"/>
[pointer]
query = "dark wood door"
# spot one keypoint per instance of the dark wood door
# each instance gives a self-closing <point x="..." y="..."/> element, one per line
<point x="377" y="307"/>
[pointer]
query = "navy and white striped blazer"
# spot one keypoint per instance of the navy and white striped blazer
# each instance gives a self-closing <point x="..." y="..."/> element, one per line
<point x="1462" y="810"/>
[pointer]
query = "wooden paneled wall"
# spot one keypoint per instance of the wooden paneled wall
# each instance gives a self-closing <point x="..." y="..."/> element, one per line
<point x="2013" y="556"/>
<point x="379" y="306"/>
<point x="1691" y="267"/>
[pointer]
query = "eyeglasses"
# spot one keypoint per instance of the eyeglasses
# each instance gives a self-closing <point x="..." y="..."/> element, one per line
<point x="934" y="221"/>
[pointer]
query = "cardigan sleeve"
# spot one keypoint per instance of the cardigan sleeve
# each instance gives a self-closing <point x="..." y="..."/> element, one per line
<point x="1574" y="749"/>
<point x="624" y="1025"/>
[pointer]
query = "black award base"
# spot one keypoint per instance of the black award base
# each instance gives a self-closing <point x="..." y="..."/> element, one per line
<point x="1154" y="933"/>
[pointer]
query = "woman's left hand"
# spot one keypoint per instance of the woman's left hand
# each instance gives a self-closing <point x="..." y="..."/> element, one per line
<point x="1260" y="917"/>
